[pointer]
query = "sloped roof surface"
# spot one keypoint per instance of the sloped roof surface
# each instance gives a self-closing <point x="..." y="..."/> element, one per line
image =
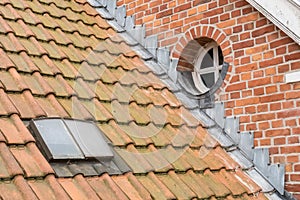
<point x="61" y="59"/>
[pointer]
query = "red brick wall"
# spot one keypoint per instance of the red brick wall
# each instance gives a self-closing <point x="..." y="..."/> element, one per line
<point x="259" y="54"/>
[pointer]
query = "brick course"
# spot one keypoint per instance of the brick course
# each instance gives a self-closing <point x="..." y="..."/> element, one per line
<point x="259" y="54"/>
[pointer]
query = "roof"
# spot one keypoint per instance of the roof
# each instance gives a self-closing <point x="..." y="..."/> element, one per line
<point x="62" y="59"/>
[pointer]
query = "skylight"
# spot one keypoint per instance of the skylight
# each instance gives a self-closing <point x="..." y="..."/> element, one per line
<point x="69" y="139"/>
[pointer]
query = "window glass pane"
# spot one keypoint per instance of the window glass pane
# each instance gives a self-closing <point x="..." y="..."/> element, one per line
<point x="221" y="60"/>
<point x="208" y="79"/>
<point x="208" y="60"/>
<point x="89" y="139"/>
<point x="57" y="138"/>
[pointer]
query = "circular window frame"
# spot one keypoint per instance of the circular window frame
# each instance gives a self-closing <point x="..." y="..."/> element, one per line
<point x="216" y="68"/>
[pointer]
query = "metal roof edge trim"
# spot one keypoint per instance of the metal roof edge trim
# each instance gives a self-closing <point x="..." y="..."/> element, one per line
<point x="276" y="20"/>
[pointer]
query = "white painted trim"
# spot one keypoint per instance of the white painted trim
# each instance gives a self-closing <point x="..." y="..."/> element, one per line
<point x="292" y="77"/>
<point x="285" y="14"/>
<point x="196" y="74"/>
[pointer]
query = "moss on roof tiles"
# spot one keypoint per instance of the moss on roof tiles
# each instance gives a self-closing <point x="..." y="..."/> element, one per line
<point x="9" y="190"/>
<point x="6" y="12"/>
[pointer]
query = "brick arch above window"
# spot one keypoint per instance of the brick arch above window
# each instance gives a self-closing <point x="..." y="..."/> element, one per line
<point x="202" y="31"/>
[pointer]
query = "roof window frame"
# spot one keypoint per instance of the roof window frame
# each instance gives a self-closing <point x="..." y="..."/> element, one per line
<point x="50" y="152"/>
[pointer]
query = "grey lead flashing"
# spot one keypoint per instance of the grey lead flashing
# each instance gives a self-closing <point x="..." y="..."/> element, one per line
<point x="224" y="140"/>
<point x="117" y="27"/>
<point x="156" y="68"/>
<point x="90" y="168"/>
<point x="238" y="145"/>
<point x="129" y="23"/>
<point x="231" y="127"/>
<point x="111" y="6"/>
<point x="142" y="52"/>
<point x="240" y="158"/>
<point x="260" y="180"/>
<point x="163" y="56"/>
<point x="95" y="3"/>
<point x="274" y="173"/>
<point x="261" y="159"/>
<point x="244" y="141"/>
<point x="121" y="15"/>
<point x="191" y="104"/>
<point x="128" y="39"/>
<point x="219" y="111"/>
<point x="151" y="44"/>
<point x="104" y="13"/>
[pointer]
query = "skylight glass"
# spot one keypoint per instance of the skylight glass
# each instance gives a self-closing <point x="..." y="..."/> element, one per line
<point x="89" y="139"/>
<point x="55" y="139"/>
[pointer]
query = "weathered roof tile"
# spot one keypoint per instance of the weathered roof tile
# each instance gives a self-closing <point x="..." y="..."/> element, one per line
<point x="36" y="7"/>
<point x="74" y="189"/>
<point x="115" y="134"/>
<point x="59" y="86"/>
<point x="9" y="167"/>
<point x="219" y="189"/>
<point x="49" y="109"/>
<point x="9" y="190"/>
<point x="8" y="12"/>
<point x="230" y="181"/>
<point x="28" y="16"/>
<point x="177" y="186"/>
<point x="26" y="105"/>
<point x="134" y="159"/>
<point x="23" y="63"/>
<point x="6" y="62"/>
<point x="11" y="132"/>
<point x="30" y="47"/>
<point x="6" y="106"/>
<point x="75" y="108"/>
<point x="18" y="4"/>
<point x="20" y="29"/>
<point x="200" y="189"/>
<point x="106" y="188"/>
<point x="97" y="110"/>
<point x="157" y="188"/>
<point x="31" y="160"/>
<point x="156" y="159"/>
<point x="53" y="50"/>
<point x="4" y="26"/>
<point x="48" y="188"/>
<point x="139" y="133"/>
<point x="24" y="188"/>
<point x="128" y="189"/>
<point x="11" y="43"/>
<point x="41" y="33"/>
<point x="8" y="81"/>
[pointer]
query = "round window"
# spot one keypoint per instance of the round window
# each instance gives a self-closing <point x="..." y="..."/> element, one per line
<point x="207" y="66"/>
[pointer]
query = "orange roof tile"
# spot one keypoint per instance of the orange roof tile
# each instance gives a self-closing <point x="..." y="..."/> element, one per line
<point x="62" y="59"/>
